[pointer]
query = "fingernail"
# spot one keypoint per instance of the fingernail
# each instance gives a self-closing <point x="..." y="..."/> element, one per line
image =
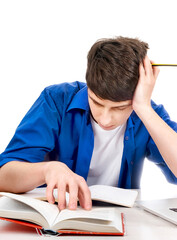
<point x="61" y="207"/>
<point x="88" y="207"/>
<point x="72" y="206"/>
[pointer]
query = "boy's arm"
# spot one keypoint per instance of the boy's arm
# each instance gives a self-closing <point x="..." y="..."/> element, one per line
<point x="21" y="177"/>
<point x="164" y="137"/>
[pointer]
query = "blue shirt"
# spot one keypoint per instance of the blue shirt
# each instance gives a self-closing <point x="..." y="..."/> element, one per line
<point x="58" y="127"/>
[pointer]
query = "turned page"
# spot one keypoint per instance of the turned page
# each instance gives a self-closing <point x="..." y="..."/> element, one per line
<point x="119" y="196"/>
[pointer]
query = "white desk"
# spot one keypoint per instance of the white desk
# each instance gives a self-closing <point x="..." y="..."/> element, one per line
<point x="139" y="224"/>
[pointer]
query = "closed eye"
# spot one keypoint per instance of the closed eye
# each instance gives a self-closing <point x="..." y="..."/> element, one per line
<point x="96" y="103"/>
<point x="120" y="108"/>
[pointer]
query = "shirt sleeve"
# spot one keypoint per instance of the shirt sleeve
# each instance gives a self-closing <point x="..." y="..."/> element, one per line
<point x="153" y="153"/>
<point x="37" y="133"/>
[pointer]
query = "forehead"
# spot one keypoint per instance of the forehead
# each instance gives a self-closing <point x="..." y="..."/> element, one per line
<point x="106" y="102"/>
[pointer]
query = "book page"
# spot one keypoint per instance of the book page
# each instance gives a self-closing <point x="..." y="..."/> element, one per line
<point x="36" y="193"/>
<point x="96" y="213"/>
<point x="99" y="219"/>
<point x="48" y="211"/>
<point x="119" y="196"/>
<point x="40" y="194"/>
<point x="10" y="208"/>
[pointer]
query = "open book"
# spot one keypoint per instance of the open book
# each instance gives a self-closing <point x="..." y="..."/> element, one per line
<point x="40" y="214"/>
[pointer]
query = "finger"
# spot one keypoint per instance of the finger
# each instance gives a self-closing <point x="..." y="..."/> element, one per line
<point x="73" y="196"/>
<point x="155" y="70"/>
<point x="81" y="199"/>
<point x="85" y="199"/>
<point x="49" y="193"/>
<point x="84" y="195"/>
<point x="62" y="196"/>
<point x="147" y="66"/>
<point x="83" y="202"/>
<point x="141" y="71"/>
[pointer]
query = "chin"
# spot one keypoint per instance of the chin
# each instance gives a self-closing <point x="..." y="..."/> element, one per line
<point x="108" y="127"/>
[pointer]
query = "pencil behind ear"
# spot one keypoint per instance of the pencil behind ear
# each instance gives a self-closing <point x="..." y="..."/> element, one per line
<point x="164" y="64"/>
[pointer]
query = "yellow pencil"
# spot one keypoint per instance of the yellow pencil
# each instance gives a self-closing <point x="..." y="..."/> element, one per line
<point x="162" y="64"/>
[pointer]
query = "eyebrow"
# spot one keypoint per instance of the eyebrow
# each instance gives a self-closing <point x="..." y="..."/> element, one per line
<point x="121" y="106"/>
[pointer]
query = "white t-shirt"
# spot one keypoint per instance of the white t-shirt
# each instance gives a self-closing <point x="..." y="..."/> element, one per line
<point x="107" y="155"/>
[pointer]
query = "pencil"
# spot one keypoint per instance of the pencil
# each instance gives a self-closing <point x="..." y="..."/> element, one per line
<point x="162" y="64"/>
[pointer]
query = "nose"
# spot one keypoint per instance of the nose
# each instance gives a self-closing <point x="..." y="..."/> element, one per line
<point x="106" y="118"/>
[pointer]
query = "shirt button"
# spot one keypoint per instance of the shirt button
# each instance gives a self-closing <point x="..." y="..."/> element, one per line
<point x="126" y="137"/>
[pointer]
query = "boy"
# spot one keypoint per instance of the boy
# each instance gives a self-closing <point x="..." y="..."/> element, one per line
<point x="77" y="135"/>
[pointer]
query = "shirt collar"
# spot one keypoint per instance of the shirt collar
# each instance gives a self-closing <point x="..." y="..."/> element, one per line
<point x="80" y="100"/>
<point x="130" y="122"/>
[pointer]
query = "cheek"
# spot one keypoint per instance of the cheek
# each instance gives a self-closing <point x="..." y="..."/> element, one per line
<point x="121" y="117"/>
<point x="95" y="114"/>
<point x="94" y="111"/>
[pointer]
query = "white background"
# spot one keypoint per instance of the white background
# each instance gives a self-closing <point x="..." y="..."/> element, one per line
<point x="46" y="42"/>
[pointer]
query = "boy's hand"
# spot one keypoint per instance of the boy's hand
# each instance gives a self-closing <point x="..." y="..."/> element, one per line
<point x="146" y="83"/>
<point x="58" y="175"/>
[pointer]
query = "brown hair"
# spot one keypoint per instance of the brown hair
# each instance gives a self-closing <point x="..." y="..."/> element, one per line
<point x="113" y="67"/>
